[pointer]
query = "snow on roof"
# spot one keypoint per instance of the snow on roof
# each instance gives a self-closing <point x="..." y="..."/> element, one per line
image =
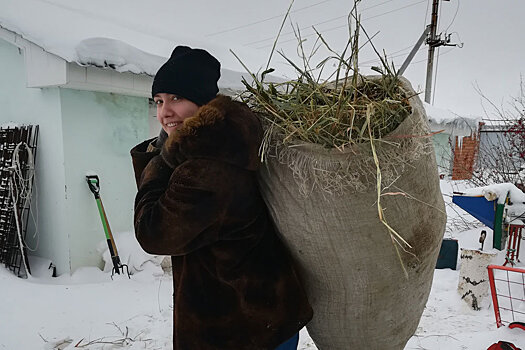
<point x="125" y="35"/>
<point x="448" y="117"/>
<point x="450" y="123"/>
<point x="514" y="208"/>
<point x="104" y="52"/>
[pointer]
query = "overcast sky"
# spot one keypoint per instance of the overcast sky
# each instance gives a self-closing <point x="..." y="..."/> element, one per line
<point x="492" y="57"/>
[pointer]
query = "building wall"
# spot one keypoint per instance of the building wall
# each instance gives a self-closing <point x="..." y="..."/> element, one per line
<point x="443" y="151"/>
<point x="80" y="132"/>
<point x="496" y="151"/>
<point x="99" y="130"/>
<point x="47" y="232"/>
<point x="465" y="153"/>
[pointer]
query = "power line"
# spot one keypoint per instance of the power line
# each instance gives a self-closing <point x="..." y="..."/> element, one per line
<point x="426" y="15"/>
<point x="266" y="19"/>
<point x="337" y="27"/>
<point x="420" y="61"/>
<point x="292" y="32"/>
<point x="394" y="54"/>
<point x="388" y="57"/>
<point x="376" y="5"/>
<point x="402" y="51"/>
<point x="439" y="17"/>
<point x="331" y="20"/>
<point x="454" y="18"/>
<point x="401" y="8"/>
<point x="442" y="54"/>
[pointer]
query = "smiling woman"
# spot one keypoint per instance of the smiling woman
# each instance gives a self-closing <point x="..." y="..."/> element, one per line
<point x="172" y="110"/>
<point x="198" y="200"/>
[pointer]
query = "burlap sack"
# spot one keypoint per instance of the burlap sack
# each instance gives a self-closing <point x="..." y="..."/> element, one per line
<point x="324" y="204"/>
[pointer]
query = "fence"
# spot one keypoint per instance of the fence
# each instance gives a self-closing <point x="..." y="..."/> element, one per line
<point x="507" y="286"/>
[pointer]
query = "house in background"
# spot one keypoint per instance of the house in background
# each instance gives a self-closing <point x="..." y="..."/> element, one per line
<point x="88" y="120"/>
<point x="468" y="149"/>
<point x="89" y="115"/>
<point x="455" y="142"/>
<point x="501" y="153"/>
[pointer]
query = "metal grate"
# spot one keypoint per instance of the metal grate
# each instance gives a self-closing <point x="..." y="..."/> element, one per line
<point x="23" y="141"/>
<point x="507" y="286"/>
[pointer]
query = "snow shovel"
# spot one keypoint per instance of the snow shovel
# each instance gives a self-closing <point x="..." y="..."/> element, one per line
<point x="118" y="267"/>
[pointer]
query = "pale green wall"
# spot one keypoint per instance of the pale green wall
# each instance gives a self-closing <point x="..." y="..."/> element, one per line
<point x="99" y="130"/>
<point x="80" y="132"/>
<point x="443" y="152"/>
<point x="42" y="107"/>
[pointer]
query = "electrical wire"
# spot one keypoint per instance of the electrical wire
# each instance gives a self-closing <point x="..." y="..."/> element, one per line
<point x="426" y="15"/>
<point x="328" y="21"/>
<point x="439" y="55"/>
<point x="18" y="229"/>
<point x="398" y="9"/>
<point x="376" y="5"/>
<point x="345" y="25"/>
<point x="389" y="57"/>
<point x="420" y="61"/>
<point x="366" y="63"/>
<point x="265" y="20"/>
<point x="316" y="24"/>
<point x="454" y="18"/>
<point x="439" y="17"/>
<point x="26" y="188"/>
<point x="22" y="189"/>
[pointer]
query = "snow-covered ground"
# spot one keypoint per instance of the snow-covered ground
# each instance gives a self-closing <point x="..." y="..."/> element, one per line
<point x="89" y="310"/>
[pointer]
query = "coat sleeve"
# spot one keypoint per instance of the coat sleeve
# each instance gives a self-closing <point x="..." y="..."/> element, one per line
<point x="176" y="210"/>
<point x="141" y="155"/>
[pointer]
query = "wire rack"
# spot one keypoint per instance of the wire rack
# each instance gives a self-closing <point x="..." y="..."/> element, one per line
<point x="13" y="254"/>
<point x="507" y="286"/>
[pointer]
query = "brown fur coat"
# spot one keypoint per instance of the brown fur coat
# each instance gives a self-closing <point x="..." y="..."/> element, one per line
<point x="234" y="284"/>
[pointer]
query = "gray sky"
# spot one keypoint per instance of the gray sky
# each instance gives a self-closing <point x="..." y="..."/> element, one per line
<point x="493" y="55"/>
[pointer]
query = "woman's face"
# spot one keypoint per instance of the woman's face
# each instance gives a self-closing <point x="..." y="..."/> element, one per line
<point x="172" y="110"/>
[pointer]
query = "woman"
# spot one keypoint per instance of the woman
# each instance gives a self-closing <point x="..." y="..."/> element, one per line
<point x="234" y="284"/>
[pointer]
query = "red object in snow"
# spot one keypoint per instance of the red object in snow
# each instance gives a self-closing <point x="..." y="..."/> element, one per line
<point x="513" y="247"/>
<point x="503" y="345"/>
<point x="519" y="325"/>
<point x="507" y="286"/>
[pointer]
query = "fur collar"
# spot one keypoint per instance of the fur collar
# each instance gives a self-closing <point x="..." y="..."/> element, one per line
<point x="223" y="130"/>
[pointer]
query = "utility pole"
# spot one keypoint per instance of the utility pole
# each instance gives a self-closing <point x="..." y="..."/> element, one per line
<point x="433" y="41"/>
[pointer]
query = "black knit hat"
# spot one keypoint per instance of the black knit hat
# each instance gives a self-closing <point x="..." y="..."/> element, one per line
<point x="189" y="73"/>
